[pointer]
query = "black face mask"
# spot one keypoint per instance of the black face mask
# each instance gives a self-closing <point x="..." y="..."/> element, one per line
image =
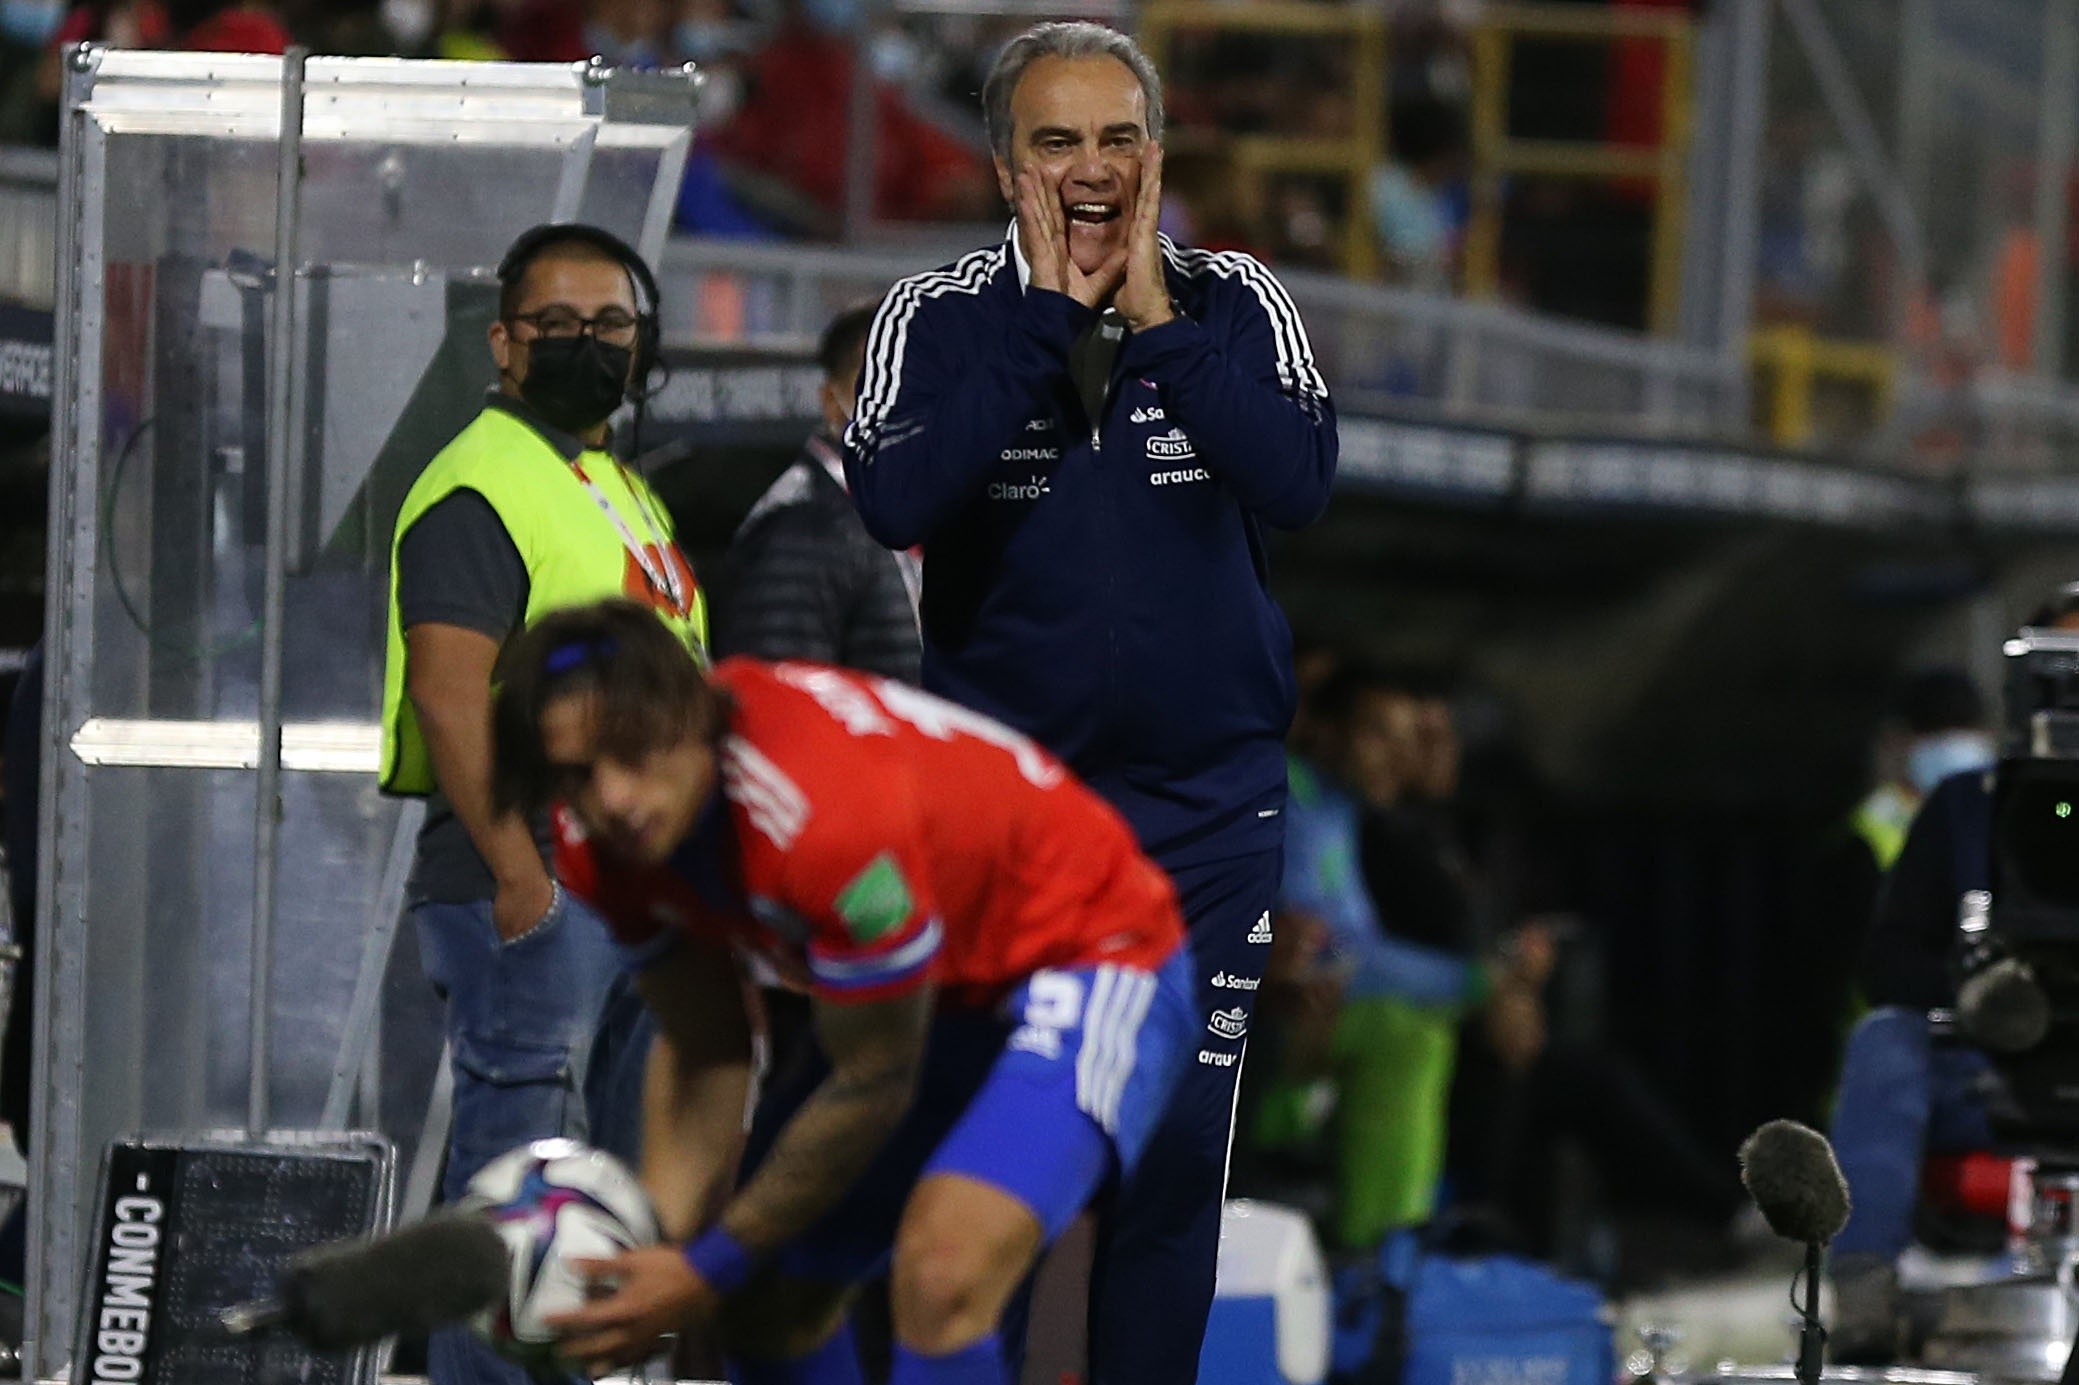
<point x="575" y="383"/>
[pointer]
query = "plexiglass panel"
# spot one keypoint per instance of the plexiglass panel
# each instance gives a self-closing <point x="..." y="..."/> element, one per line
<point x="169" y="290"/>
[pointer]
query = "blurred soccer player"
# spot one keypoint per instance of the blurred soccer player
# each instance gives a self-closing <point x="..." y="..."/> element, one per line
<point x="998" y="978"/>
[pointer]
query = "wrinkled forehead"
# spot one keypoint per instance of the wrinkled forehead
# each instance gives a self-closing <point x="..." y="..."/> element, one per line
<point x="1081" y="95"/>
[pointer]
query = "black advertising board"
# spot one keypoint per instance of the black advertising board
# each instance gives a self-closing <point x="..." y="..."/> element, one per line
<point x="26" y="360"/>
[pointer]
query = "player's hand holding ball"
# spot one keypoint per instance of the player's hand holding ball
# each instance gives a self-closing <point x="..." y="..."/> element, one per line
<point x="648" y="1292"/>
<point x="569" y="1216"/>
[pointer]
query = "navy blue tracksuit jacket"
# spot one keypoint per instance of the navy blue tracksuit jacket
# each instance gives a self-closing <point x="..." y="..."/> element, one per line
<point x="1098" y="581"/>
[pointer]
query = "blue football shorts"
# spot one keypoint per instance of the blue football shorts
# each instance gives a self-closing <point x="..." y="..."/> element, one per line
<point x="1046" y="1099"/>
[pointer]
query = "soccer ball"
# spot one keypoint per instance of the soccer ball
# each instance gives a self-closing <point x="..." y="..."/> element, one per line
<point x="553" y="1202"/>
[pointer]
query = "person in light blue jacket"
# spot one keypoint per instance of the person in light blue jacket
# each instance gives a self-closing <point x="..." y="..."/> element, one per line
<point x="1392" y="1048"/>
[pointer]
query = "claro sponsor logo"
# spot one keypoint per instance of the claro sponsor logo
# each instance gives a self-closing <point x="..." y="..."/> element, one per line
<point x="1032" y="488"/>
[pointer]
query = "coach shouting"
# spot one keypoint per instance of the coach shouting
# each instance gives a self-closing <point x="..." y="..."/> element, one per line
<point x="1087" y="428"/>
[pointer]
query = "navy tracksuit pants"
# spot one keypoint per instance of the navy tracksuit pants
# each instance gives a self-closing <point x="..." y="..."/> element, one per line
<point x="1159" y="1238"/>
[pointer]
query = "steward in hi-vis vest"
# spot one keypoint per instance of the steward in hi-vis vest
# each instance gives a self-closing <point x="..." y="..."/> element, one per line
<point x="586" y="527"/>
<point x="524" y="512"/>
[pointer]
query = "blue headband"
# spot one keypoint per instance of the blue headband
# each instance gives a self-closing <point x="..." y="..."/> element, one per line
<point x="575" y="654"/>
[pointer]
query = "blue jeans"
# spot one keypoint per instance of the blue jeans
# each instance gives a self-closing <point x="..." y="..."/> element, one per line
<point x="1902" y="1097"/>
<point x="548" y="1038"/>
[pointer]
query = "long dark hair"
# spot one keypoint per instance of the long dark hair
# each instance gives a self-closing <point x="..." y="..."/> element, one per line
<point x="651" y="693"/>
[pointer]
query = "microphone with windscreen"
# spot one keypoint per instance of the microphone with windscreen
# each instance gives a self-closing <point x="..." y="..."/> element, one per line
<point x="1790" y="1172"/>
<point x="1793" y="1177"/>
<point x="352" y="1293"/>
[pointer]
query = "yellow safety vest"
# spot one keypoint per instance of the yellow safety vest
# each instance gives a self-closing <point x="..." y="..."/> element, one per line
<point x="1882" y="820"/>
<point x="573" y="550"/>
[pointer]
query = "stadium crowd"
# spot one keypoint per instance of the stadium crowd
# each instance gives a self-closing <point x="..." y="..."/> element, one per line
<point x="771" y="162"/>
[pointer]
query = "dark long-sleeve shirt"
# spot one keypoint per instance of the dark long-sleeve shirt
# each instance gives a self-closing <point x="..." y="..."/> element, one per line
<point x="1913" y="934"/>
<point x="1097" y="577"/>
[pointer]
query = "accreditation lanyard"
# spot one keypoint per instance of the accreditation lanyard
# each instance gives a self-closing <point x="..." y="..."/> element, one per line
<point x="654" y="558"/>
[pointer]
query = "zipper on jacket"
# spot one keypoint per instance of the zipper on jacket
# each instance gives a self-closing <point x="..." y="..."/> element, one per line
<point x="1113" y="334"/>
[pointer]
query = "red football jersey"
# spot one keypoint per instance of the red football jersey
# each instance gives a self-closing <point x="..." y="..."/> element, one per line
<point x="871" y="836"/>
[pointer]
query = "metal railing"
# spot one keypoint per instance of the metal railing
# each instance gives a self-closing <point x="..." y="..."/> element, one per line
<point x="1791" y="364"/>
<point x="1382" y="348"/>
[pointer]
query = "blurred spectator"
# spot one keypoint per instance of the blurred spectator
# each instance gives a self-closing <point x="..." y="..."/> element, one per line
<point x="458" y="29"/>
<point x="30" y="24"/>
<point x="214" y="26"/>
<point x="713" y="34"/>
<point x="1388" y="1049"/>
<point x="123" y="24"/>
<point x="211" y="26"/>
<point x="2008" y="277"/>
<point x="1429" y="53"/>
<point x="28" y="104"/>
<point x="1510" y="1093"/>
<point x="464" y="30"/>
<point x="356" y="29"/>
<point x="1303" y="221"/>
<point x="627" y="33"/>
<point x="1202" y="201"/>
<point x="792" y="133"/>
<point x="2016" y="264"/>
<point x="205" y="26"/>
<point x="1934" y="727"/>
<point x="1419" y="201"/>
<point x="1412" y="862"/>
<point x="803" y="579"/>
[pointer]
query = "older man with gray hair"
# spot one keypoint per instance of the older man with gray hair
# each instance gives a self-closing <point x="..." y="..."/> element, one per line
<point x="1088" y="429"/>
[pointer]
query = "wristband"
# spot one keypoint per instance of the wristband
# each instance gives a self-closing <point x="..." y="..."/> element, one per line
<point x="720" y="1259"/>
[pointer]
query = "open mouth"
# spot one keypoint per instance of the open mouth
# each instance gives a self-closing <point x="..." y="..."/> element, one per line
<point x="1092" y="213"/>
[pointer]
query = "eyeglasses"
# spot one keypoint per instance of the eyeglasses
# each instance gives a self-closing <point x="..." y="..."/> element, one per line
<point x="615" y="327"/>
